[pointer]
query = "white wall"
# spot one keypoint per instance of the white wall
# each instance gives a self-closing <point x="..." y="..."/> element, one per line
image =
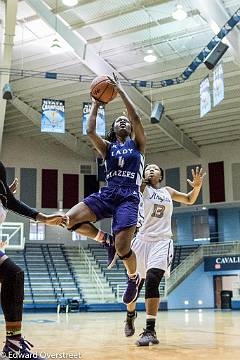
<point x="21" y="152"/>
<point x="227" y="152"/>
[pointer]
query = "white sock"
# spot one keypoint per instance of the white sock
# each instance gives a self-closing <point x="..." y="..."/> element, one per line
<point x="151" y="317"/>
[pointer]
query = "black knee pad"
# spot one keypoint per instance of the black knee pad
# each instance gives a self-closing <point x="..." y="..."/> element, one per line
<point x="12" y="291"/>
<point x="153" y="278"/>
<point x="124" y="257"/>
<point x="78" y="225"/>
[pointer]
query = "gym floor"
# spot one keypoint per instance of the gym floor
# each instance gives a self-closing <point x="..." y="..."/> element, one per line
<point x="99" y="336"/>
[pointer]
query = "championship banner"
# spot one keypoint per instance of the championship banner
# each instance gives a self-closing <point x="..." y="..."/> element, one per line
<point x="218" y="84"/>
<point x="205" y="97"/>
<point x="53" y="116"/>
<point x="100" y="121"/>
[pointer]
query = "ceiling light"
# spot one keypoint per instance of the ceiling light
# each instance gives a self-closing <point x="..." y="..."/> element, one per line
<point x="56" y="48"/>
<point x="179" y="13"/>
<point x="150" y="57"/>
<point x="70" y="2"/>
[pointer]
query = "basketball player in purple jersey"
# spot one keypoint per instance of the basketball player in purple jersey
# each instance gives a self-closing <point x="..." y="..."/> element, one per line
<point x="124" y="161"/>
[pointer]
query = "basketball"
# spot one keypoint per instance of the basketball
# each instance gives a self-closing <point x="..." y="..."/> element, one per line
<point x="101" y="90"/>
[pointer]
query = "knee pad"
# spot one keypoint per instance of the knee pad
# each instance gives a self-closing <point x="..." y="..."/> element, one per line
<point x="153" y="278"/>
<point x="78" y="225"/>
<point x="124" y="257"/>
<point x="12" y="292"/>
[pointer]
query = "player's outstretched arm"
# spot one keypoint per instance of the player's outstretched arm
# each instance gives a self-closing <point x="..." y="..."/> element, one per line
<point x="19" y="207"/>
<point x="195" y="183"/>
<point x="132" y="114"/>
<point x="99" y="143"/>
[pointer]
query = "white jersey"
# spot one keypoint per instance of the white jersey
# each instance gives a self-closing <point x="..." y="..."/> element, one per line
<point x="158" y="208"/>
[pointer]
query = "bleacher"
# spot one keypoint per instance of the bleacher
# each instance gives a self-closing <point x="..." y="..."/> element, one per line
<point x="53" y="273"/>
<point x="117" y="276"/>
<point x="90" y="277"/>
<point x="48" y="276"/>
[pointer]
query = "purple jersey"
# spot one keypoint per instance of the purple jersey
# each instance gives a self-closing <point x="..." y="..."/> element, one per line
<point x="124" y="164"/>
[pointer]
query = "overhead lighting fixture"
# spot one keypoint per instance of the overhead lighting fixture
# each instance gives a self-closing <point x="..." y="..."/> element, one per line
<point x="150" y="57"/>
<point x="70" y="2"/>
<point x="56" y="47"/>
<point x="179" y="14"/>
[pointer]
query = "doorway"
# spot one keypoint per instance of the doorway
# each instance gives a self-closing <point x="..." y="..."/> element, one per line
<point x="222" y="283"/>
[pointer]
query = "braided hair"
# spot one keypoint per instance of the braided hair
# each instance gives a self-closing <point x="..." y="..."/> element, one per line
<point x="111" y="134"/>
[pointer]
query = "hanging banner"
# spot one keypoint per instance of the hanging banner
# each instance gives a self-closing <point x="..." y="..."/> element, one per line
<point x="205" y="97"/>
<point x="100" y="121"/>
<point x="218" y="84"/>
<point x="53" y="116"/>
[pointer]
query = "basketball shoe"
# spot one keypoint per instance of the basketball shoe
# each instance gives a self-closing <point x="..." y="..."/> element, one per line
<point x="109" y="244"/>
<point x="148" y="337"/>
<point x="131" y="292"/>
<point x="129" y="325"/>
<point x="19" y="350"/>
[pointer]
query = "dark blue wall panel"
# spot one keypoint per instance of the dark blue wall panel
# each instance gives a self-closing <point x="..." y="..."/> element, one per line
<point x="173" y="180"/>
<point x="28" y="186"/>
<point x="10" y="174"/>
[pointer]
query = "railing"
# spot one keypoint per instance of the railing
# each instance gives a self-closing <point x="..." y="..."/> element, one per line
<point x="195" y="258"/>
<point x="119" y="293"/>
<point x="92" y="272"/>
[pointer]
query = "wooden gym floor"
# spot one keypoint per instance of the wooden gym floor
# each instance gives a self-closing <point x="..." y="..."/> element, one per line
<point x="189" y="335"/>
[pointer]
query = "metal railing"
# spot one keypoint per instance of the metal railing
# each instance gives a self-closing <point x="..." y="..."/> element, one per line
<point x="119" y="292"/>
<point x="92" y="272"/>
<point x="195" y="258"/>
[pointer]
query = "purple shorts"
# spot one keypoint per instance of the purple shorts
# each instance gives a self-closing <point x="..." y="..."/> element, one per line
<point x="3" y="257"/>
<point x="120" y="203"/>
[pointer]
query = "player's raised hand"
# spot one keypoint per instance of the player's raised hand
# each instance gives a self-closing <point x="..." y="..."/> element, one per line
<point x="3" y="244"/>
<point x="14" y="185"/>
<point x="198" y="177"/>
<point x="54" y="219"/>
<point x="114" y="81"/>
<point x="96" y="102"/>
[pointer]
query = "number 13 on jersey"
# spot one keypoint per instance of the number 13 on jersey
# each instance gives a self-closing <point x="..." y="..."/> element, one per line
<point x="158" y="211"/>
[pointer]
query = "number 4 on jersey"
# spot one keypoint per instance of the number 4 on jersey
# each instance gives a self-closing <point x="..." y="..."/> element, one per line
<point x="121" y="162"/>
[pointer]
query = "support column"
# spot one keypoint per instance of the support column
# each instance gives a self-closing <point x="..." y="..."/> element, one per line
<point x="7" y="33"/>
